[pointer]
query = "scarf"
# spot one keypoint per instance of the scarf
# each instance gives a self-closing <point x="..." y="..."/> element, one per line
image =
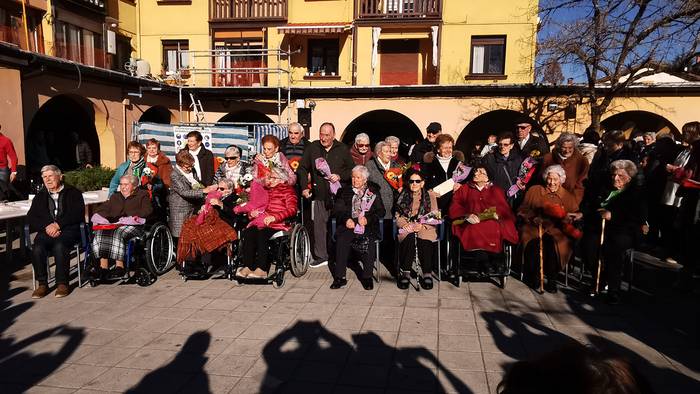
<point x="189" y="176"/>
<point x="359" y="158"/>
<point x="610" y="198"/>
<point x="136" y="168"/>
<point x="404" y="202"/>
<point x="357" y="201"/>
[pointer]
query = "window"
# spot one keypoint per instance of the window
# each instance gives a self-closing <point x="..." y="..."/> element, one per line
<point x="323" y="56"/>
<point x="79" y="45"/>
<point x="172" y="59"/>
<point x="488" y="55"/>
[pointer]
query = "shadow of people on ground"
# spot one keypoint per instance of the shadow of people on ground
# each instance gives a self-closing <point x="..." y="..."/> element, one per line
<point x="309" y="358"/>
<point x="23" y="363"/>
<point x="188" y="363"/>
<point x="521" y="337"/>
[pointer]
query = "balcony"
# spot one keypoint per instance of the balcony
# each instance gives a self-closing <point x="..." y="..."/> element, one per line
<point x="399" y="10"/>
<point x="247" y="10"/>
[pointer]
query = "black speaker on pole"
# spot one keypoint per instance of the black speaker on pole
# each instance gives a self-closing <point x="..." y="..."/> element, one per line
<point x="304" y="118"/>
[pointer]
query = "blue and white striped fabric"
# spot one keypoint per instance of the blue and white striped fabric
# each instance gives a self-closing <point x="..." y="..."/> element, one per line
<point x="261" y="130"/>
<point x="172" y="137"/>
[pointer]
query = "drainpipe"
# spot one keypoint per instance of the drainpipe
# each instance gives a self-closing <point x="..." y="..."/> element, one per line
<point x="138" y="29"/>
<point x="125" y="103"/>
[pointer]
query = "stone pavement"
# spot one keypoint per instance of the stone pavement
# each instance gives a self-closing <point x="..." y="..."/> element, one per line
<point x="215" y="336"/>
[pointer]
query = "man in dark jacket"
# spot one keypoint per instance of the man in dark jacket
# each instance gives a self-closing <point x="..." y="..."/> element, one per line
<point x="203" y="158"/>
<point x="427" y="145"/>
<point x="340" y="162"/>
<point x="528" y="141"/>
<point x="55" y="215"/>
<point x="293" y="146"/>
<point x="503" y="164"/>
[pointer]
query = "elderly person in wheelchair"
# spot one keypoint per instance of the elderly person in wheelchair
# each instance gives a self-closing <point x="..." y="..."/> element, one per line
<point x="414" y="209"/>
<point x="548" y="212"/>
<point x="280" y="204"/>
<point x="482" y="220"/>
<point x="357" y="210"/>
<point x="118" y="220"/>
<point x="211" y="228"/>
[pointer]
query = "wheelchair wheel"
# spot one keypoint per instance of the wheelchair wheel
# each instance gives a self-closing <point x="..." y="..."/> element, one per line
<point x="144" y="277"/>
<point x="159" y="249"/>
<point x="299" y="250"/>
<point x="279" y="280"/>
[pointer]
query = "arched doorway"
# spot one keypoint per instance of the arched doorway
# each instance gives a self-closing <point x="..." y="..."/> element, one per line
<point x="56" y="129"/>
<point x="246" y="116"/>
<point x="634" y="123"/>
<point x="156" y="114"/>
<point x="494" y="122"/>
<point x="382" y="123"/>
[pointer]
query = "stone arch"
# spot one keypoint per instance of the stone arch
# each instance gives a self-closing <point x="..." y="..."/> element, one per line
<point x="157" y="114"/>
<point x="56" y="127"/>
<point x="246" y="116"/>
<point x="381" y="123"/>
<point x="634" y="123"/>
<point x="493" y="122"/>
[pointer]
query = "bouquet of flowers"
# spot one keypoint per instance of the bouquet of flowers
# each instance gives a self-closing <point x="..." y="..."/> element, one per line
<point x="242" y="189"/>
<point x="527" y="168"/>
<point x="257" y="199"/>
<point x="433" y="218"/>
<point x="395" y="177"/>
<point x="461" y="172"/>
<point x="325" y="169"/>
<point x="557" y="212"/>
<point x="487" y="214"/>
<point x="99" y="222"/>
<point x="147" y="174"/>
<point x="365" y="204"/>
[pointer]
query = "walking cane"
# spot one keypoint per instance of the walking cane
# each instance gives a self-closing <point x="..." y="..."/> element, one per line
<point x="539" y="231"/>
<point x="600" y="257"/>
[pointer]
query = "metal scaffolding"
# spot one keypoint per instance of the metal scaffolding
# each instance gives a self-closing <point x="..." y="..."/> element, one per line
<point x="231" y="68"/>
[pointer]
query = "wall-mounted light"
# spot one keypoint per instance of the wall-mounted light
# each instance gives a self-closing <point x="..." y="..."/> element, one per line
<point x="312" y="105"/>
<point x="552" y="106"/>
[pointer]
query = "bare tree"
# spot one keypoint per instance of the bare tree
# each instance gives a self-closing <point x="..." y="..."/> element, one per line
<point x="613" y="41"/>
<point x="550" y="72"/>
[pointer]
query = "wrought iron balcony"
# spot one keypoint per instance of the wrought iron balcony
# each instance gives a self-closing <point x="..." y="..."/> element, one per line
<point x="247" y="10"/>
<point x="398" y="9"/>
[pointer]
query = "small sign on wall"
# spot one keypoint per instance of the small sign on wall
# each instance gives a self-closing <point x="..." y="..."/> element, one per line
<point x="111" y="42"/>
<point x="181" y="138"/>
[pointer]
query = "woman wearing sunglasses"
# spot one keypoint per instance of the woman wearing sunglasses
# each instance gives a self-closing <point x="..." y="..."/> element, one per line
<point x="412" y="204"/>
<point x="233" y="167"/>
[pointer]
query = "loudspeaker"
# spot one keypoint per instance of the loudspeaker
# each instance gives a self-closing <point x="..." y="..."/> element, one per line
<point x="570" y="111"/>
<point x="304" y="118"/>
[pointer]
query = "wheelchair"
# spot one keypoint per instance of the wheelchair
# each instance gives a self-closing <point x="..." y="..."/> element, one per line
<point x="148" y="256"/>
<point x="287" y="251"/>
<point x="463" y="263"/>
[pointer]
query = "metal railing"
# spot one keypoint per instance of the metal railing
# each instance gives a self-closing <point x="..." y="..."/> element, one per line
<point x="399" y="9"/>
<point x="247" y="10"/>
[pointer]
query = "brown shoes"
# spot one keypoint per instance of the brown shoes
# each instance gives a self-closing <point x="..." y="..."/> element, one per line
<point x="40" y="292"/>
<point x="62" y="290"/>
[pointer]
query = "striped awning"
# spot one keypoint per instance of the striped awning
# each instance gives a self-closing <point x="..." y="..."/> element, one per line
<point x="333" y="28"/>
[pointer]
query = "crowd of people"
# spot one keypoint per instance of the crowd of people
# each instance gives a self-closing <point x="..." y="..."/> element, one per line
<point x="596" y="196"/>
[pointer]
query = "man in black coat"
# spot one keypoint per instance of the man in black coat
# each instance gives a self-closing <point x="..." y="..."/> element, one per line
<point x="203" y="158"/>
<point x="340" y="162"/>
<point x="293" y="145"/>
<point x="55" y="215"/>
<point x="528" y="141"/>
<point x="426" y="145"/>
<point x="503" y="164"/>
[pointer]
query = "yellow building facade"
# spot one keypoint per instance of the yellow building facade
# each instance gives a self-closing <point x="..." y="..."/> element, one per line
<point x="330" y="43"/>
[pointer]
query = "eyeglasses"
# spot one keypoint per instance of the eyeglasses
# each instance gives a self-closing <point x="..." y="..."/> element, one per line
<point x="222" y="189"/>
<point x="231" y="157"/>
<point x="415" y="181"/>
<point x="134" y="152"/>
<point x="504" y="144"/>
<point x="521" y="127"/>
<point x="362" y="145"/>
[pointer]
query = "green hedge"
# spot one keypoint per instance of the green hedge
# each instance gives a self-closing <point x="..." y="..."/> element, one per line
<point x="87" y="179"/>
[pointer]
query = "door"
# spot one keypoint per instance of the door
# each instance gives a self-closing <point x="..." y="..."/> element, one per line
<point x="398" y="62"/>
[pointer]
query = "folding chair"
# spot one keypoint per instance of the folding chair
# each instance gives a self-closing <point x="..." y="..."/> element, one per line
<point x="83" y="243"/>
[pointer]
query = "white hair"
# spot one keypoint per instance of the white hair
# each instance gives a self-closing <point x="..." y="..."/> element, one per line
<point x="131" y="178"/>
<point x="362" y="137"/>
<point x="557" y="169"/>
<point x="362" y="170"/>
<point x="379" y="146"/>
<point x="627" y="165"/>
<point x="51" y="167"/>
<point x="233" y="148"/>
<point x="566" y="137"/>
<point x="296" y="125"/>
<point x="392" y="140"/>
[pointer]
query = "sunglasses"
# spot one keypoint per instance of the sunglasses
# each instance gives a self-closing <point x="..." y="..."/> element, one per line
<point x="231" y="157"/>
<point x="521" y="127"/>
<point x="503" y="144"/>
<point x="416" y="181"/>
<point x="363" y="145"/>
<point x="433" y="132"/>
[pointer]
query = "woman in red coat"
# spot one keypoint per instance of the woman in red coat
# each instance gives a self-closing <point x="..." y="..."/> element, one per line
<point x="477" y="227"/>
<point x="282" y="205"/>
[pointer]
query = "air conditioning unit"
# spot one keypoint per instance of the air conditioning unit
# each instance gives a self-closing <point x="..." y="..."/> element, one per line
<point x="143" y="68"/>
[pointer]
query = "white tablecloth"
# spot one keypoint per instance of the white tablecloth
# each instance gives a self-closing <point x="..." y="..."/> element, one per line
<point x="17" y="209"/>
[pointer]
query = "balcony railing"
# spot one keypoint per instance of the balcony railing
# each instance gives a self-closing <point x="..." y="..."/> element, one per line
<point x="399" y="9"/>
<point x="247" y="10"/>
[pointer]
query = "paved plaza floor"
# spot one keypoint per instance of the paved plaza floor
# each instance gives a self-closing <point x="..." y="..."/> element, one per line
<point x="215" y="336"/>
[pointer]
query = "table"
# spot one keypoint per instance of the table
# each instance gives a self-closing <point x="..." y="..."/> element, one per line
<point x="13" y="214"/>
